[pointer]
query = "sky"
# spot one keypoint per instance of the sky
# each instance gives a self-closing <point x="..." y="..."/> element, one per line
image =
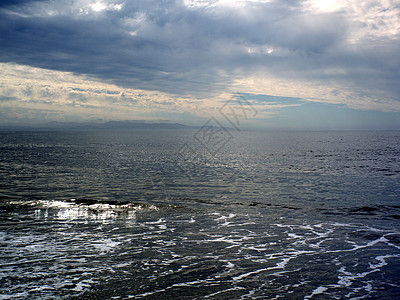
<point x="292" y="64"/>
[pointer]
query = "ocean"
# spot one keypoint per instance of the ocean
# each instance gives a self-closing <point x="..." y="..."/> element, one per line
<point x="194" y="215"/>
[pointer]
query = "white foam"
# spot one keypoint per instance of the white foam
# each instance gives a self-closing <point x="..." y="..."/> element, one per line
<point x="319" y="290"/>
<point x="225" y="239"/>
<point x="42" y="288"/>
<point x="81" y="286"/>
<point x="224" y="291"/>
<point x="22" y="295"/>
<point x="180" y="284"/>
<point x="122" y="265"/>
<point x="382" y="260"/>
<point x="295" y="236"/>
<point x="347" y="278"/>
<point x="160" y="221"/>
<point x="106" y="245"/>
<point x="236" y="278"/>
<point x="283" y="263"/>
<point x="230" y="216"/>
<point x="357" y="247"/>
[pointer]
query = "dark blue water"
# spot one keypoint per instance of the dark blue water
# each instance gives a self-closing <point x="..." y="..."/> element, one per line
<point x="170" y="215"/>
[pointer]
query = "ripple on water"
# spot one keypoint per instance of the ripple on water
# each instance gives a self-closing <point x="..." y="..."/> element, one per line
<point x="58" y="249"/>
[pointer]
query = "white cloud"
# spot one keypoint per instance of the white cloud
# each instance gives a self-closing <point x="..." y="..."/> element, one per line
<point x="78" y="98"/>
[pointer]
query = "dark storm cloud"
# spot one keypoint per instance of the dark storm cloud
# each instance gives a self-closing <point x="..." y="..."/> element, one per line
<point x="168" y="46"/>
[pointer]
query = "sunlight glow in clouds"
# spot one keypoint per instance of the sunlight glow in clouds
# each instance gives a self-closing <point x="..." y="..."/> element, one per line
<point x="98" y="6"/>
<point x="325" y="5"/>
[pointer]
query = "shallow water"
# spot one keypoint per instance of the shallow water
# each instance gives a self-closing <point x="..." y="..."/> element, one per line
<point x="270" y="215"/>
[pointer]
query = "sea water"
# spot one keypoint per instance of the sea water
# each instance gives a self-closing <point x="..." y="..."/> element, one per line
<point x="179" y="215"/>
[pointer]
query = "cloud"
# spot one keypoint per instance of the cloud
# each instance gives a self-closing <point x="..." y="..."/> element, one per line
<point x="56" y="95"/>
<point x="343" y="53"/>
<point x="15" y="3"/>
